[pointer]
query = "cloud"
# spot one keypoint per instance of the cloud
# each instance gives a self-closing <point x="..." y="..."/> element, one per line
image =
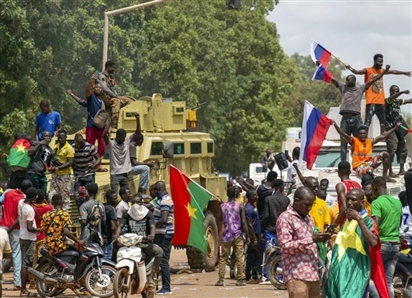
<point x="352" y="30"/>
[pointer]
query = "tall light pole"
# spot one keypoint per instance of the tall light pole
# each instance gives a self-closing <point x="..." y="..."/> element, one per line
<point x="108" y="14"/>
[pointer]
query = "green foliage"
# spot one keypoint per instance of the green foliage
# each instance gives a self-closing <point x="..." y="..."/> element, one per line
<point x="196" y="51"/>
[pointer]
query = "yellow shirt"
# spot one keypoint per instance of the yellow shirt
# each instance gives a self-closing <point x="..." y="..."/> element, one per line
<point x="334" y="213"/>
<point x="62" y="155"/>
<point x="320" y="214"/>
<point x="367" y="206"/>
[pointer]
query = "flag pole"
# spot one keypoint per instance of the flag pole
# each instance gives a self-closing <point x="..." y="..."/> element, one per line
<point x="331" y="54"/>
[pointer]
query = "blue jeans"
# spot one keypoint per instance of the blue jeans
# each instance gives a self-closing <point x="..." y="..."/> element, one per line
<point x="81" y="182"/>
<point x="144" y="172"/>
<point x="108" y="251"/>
<point x="16" y="254"/>
<point x="390" y="253"/>
<point x="165" y="243"/>
<point x="350" y="125"/>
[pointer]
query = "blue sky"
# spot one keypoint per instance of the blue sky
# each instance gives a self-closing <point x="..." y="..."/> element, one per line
<point x="352" y="30"/>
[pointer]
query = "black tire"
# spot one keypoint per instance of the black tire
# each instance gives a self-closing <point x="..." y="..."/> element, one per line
<point x="273" y="276"/>
<point x="43" y="289"/>
<point x="119" y="280"/>
<point x="198" y="260"/>
<point x="108" y="272"/>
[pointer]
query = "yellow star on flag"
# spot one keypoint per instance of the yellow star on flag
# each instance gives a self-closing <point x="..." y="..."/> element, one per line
<point x="348" y="238"/>
<point x="191" y="210"/>
<point x="21" y="148"/>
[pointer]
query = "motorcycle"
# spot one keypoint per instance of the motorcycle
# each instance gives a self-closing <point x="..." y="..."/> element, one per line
<point x="132" y="270"/>
<point x="273" y="258"/>
<point x="74" y="270"/>
<point x="403" y="270"/>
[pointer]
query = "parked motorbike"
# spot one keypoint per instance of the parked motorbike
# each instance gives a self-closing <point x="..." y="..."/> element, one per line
<point x="403" y="270"/>
<point x="74" y="270"/>
<point x="132" y="270"/>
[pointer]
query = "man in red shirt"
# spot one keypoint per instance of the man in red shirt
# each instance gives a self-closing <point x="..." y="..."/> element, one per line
<point x="40" y="208"/>
<point x="10" y="214"/>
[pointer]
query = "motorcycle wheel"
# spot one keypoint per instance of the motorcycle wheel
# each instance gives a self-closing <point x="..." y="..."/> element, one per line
<point x="121" y="288"/>
<point x="47" y="289"/>
<point x="100" y="288"/>
<point x="276" y="279"/>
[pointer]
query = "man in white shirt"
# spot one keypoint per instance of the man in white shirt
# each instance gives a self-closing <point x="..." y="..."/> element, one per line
<point x="27" y="236"/>
<point x="406" y="224"/>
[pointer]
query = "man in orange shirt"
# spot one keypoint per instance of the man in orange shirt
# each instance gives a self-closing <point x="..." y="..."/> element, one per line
<point x="375" y="96"/>
<point x="362" y="160"/>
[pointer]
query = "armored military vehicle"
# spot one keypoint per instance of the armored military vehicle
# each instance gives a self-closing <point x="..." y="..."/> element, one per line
<point x="171" y="137"/>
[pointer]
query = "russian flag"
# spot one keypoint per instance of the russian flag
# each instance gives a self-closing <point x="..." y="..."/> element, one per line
<point x="319" y="53"/>
<point x="315" y="126"/>
<point x="322" y="74"/>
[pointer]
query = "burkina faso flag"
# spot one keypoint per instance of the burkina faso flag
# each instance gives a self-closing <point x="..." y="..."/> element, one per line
<point x="189" y="199"/>
<point x="18" y="155"/>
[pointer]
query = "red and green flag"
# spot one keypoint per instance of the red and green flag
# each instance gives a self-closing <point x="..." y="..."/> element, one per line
<point x="189" y="199"/>
<point x="18" y="155"/>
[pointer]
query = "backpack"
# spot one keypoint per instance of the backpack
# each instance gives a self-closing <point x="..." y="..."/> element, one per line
<point x="99" y="120"/>
<point x="95" y="216"/>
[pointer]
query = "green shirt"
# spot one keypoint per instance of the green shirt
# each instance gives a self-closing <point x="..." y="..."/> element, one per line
<point x="389" y="210"/>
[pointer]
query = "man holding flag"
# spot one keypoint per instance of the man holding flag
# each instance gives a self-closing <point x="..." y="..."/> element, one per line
<point x="350" y="268"/>
<point x="18" y="159"/>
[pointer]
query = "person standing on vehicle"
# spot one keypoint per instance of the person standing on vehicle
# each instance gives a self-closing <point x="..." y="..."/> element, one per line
<point x="119" y="155"/>
<point x="93" y="217"/>
<point x="140" y="221"/>
<point x="94" y="104"/>
<point x="139" y="168"/>
<point x="375" y="96"/>
<point x="350" y="107"/>
<point x="387" y="213"/>
<point x="10" y="215"/>
<point x="56" y="225"/>
<point x="111" y="223"/>
<point x="86" y="159"/>
<point x="5" y="253"/>
<point x="47" y="120"/>
<point x="252" y="253"/>
<point x="297" y="240"/>
<point x="61" y="181"/>
<point x="395" y="142"/>
<point x="41" y="159"/>
<point x="233" y="225"/>
<point x="164" y="218"/>
<point x="357" y="228"/>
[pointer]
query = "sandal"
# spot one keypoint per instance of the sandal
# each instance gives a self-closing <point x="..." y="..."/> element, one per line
<point x="16" y="288"/>
<point x="27" y="294"/>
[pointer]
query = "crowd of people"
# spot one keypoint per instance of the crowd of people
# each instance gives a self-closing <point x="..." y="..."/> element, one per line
<point x="33" y="221"/>
<point x="350" y="225"/>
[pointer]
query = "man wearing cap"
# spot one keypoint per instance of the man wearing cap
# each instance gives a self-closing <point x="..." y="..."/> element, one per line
<point x="139" y="220"/>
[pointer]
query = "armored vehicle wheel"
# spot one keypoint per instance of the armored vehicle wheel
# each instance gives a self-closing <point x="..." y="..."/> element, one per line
<point x="198" y="260"/>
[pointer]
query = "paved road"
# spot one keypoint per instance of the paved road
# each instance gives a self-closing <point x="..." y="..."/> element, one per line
<point x="188" y="285"/>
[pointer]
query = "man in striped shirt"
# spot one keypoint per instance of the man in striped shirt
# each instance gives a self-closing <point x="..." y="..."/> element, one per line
<point x="163" y="217"/>
<point x="85" y="160"/>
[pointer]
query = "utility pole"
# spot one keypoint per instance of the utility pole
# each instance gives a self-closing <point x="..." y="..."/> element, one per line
<point x="108" y="14"/>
